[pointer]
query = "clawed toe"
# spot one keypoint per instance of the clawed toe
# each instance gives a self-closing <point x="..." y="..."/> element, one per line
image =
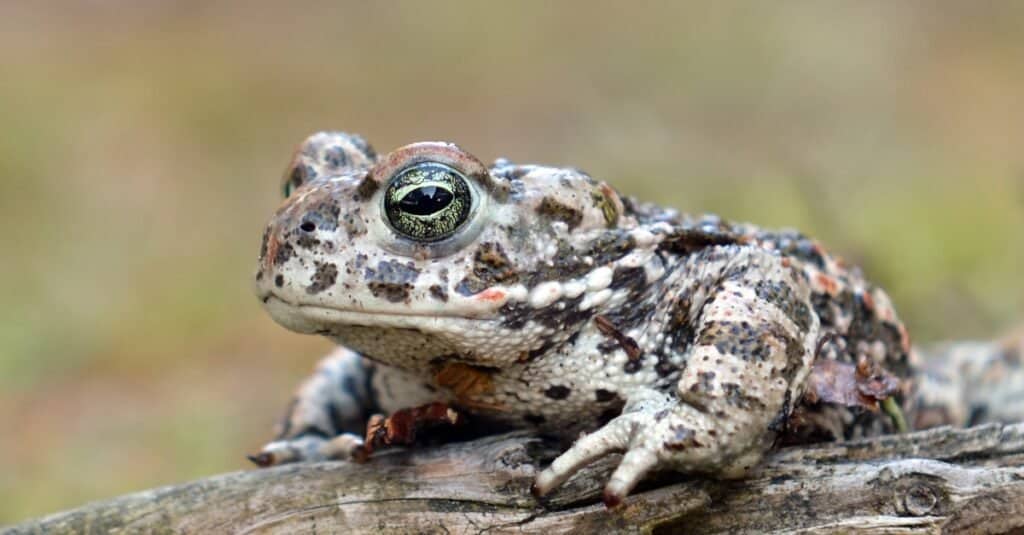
<point x="611" y="438"/>
<point x="636" y="464"/>
<point x="262" y="459"/>
<point x="614" y="437"/>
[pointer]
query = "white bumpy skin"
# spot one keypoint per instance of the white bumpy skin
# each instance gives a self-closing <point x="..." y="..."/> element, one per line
<point x="533" y="296"/>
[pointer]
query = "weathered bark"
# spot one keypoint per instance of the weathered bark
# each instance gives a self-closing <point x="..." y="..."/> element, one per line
<point x="941" y="480"/>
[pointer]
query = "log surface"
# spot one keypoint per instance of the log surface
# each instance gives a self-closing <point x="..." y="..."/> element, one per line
<point x="940" y="480"/>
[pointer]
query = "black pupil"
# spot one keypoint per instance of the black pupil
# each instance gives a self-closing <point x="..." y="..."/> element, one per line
<point x="425" y="200"/>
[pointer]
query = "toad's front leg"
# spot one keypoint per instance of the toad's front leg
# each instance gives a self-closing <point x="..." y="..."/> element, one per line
<point x="328" y="415"/>
<point x="754" y="346"/>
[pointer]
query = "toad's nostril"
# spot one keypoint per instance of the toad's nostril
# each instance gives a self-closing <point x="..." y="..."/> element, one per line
<point x="308" y="226"/>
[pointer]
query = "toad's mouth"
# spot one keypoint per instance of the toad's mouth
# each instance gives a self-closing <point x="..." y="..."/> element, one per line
<point x="320" y="319"/>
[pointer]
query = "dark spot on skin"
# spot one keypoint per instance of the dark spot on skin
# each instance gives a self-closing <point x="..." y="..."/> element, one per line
<point x="557" y="392"/>
<point x="566" y="264"/>
<point x="490" y="267"/>
<point x="324" y="277"/>
<point x="367" y="187"/>
<point x="784" y="298"/>
<point x="279" y="281"/>
<point x="571" y="341"/>
<point x="540" y="351"/>
<point x="558" y="211"/>
<point x="336" y="157"/>
<point x="611" y="246"/>
<point x="735" y="396"/>
<point x="515" y="315"/>
<point x="664" y="367"/>
<point x="438" y="292"/>
<point x="563" y="315"/>
<point x="630" y="277"/>
<point x="682" y="438"/>
<point x="307" y="242"/>
<point x="739" y="338"/>
<point x="636" y="315"/>
<point x="353" y="222"/>
<point x="264" y="243"/>
<point x="391" y="280"/>
<point x="535" y="419"/>
<point x="601" y="395"/>
<point x="660" y="415"/>
<point x="705" y="383"/>
<point x="822" y="307"/>
<point x="641" y="308"/>
<point x="395" y="293"/>
<point x="515" y="172"/>
<point x="323" y="216"/>
<point x="363" y="146"/>
<point x="688" y="240"/>
<point x="284" y="253"/>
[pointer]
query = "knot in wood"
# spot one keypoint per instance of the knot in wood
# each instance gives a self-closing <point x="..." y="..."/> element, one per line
<point x="920" y="500"/>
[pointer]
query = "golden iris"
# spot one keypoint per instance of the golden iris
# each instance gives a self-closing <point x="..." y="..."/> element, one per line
<point x="427" y="202"/>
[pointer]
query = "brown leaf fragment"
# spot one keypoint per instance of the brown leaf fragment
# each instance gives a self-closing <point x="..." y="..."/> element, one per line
<point x="401" y="428"/>
<point x="861" y="385"/>
<point x="628" y="345"/>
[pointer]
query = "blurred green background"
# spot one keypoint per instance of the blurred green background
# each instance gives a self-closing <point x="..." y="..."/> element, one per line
<point x="142" y="143"/>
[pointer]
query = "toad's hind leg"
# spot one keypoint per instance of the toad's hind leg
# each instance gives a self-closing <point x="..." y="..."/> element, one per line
<point x="327" y="416"/>
<point x="969" y="383"/>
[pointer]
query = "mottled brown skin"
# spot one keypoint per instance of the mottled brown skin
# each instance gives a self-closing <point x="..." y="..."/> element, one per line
<point x="531" y="296"/>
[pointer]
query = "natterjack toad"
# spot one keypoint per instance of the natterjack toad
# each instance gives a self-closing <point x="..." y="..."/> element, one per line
<point x="532" y="296"/>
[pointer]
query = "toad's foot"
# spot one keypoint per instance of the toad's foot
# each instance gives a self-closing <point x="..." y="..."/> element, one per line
<point x="655" y="433"/>
<point x="311" y="447"/>
<point x="617" y="436"/>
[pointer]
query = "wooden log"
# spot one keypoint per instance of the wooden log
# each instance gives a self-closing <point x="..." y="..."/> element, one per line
<point x="940" y="480"/>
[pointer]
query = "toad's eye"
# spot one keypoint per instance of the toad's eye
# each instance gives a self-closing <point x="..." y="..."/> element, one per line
<point x="427" y="202"/>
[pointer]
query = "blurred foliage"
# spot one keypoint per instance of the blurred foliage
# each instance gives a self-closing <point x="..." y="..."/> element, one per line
<point x="142" y="143"/>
